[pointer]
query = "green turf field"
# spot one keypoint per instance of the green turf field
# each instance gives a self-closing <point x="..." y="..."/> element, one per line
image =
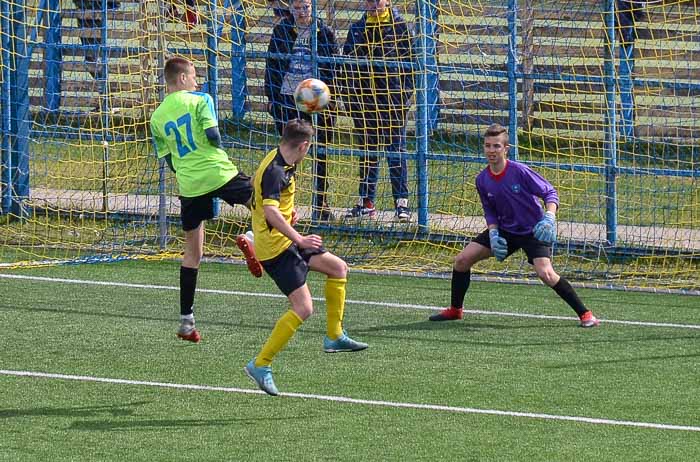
<point x="517" y="382"/>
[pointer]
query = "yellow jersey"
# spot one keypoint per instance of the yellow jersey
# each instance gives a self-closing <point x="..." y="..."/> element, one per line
<point x="273" y="184"/>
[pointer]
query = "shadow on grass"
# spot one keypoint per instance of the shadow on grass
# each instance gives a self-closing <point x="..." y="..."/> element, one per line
<point x="624" y="361"/>
<point x="87" y="411"/>
<point x="465" y="326"/>
<point x="160" y="424"/>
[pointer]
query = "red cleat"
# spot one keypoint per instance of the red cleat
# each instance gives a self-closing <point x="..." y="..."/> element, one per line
<point x="588" y="320"/>
<point x="448" y="314"/>
<point x="251" y="260"/>
<point x="191" y="336"/>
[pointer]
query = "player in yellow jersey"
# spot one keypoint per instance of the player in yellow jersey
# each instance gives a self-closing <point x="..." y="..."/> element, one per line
<point x="185" y="132"/>
<point x="287" y="256"/>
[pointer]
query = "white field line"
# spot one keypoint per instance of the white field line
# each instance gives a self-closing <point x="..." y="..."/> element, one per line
<point x="353" y="302"/>
<point x="366" y="402"/>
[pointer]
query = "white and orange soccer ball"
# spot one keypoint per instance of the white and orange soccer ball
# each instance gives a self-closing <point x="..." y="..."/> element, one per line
<point x="312" y="95"/>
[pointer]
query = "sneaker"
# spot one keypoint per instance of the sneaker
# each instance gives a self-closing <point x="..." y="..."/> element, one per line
<point x="191" y="17"/>
<point x="588" y="320"/>
<point x="262" y="376"/>
<point x="188" y="332"/>
<point x="403" y="213"/>
<point x="342" y="344"/>
<point x="448" y="314"/>
<point x="364" y="208"/>
<point x="251" y="260"/>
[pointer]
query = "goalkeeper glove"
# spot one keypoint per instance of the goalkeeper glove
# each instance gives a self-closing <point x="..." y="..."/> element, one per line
<point x="546" y="229"/>
<point x="499" y="246"/>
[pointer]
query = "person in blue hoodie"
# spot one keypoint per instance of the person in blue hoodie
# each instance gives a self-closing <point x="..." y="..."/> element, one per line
<point x="289" y="63"/>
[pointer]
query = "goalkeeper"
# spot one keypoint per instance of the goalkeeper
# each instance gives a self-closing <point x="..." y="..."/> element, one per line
<point x="510" y="194"/>
<point x="185" y="132"/>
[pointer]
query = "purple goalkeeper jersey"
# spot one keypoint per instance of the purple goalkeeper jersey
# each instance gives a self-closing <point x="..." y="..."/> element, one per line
<point x="511" y="199"/>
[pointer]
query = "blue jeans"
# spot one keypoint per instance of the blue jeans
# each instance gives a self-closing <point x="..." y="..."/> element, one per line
<point x="391" y="140"/>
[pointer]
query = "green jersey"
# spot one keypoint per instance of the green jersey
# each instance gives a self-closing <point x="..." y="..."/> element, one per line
<point x="178" y="126"/>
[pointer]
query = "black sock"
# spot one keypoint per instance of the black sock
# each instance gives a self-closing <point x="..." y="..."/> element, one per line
<point x="460" y="284"/>
<point x="566" y="292"/>
<point x="188" y="284"/>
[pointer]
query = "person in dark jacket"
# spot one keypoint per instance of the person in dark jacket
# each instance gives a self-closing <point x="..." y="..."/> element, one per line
<point x="379" y="96"/>
<point x="292" y="37"/>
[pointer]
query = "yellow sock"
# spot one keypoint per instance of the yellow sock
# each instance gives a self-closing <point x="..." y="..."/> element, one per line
<point x="284" y="330"/>
<point x="335" y="307"/>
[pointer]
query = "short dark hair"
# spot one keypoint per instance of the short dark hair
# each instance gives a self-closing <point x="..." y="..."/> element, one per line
<point x="297" y="131"/>
<point x="495" y="130"/>
<point x="174" y="67"/>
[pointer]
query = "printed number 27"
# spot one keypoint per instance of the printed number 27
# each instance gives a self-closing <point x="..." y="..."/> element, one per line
<point x="182" y="148"/>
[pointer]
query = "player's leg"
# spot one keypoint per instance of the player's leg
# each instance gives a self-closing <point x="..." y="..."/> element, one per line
<point x="239" y="190"/>
<point x="369" y="166"/>
<point x="289" y="272"/>
<point x="336" y="270"/>
<point x="545" y="271"/>
<point x="194" y="240"/>
<point x="398" y="165"/>
<point x="473" y="253"/>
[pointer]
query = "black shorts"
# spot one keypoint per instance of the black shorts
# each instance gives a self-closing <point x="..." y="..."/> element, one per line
<point x="194" y="210"/>
<point x="532" y="247"/>
<point x="289" y="269"/>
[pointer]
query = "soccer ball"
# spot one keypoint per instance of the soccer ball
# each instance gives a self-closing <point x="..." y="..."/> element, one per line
<point x="312" y="95"/>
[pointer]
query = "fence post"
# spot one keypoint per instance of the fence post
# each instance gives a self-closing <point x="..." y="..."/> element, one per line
<point x="610" y="149"/>
<point x="212" y="55"/>
<point x="19" y="83"/>
<point x="5" y="103"/>
<point x="162" y="196"/>
<point x="238" y="61"/>
<point x="53" y="58"/>
<point x="512" y="78"/>
<point x="426" y="85"/>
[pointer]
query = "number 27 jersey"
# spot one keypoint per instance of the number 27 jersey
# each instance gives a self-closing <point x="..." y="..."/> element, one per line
<point x="178" y="127"/>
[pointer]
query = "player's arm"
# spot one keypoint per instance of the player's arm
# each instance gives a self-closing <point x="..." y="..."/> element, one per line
<point x="546" y="229"/>
<point x="275" y="219"/>
<point x="161" y="147"/>
<point x="214" y="136"/>
<point x="490" y="214"/>
<point x="499" y="245"/>
<point x="271" y="191"/>
<point x="206" y="117"/>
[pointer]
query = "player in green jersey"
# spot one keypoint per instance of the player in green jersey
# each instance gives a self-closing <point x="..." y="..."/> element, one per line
<point x="186" y="134"/>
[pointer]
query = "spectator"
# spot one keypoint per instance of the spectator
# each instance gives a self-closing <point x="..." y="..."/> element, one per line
<point x="91" y="20"/>
<point x="378" y="97"/>
<point x="290" y="63"/>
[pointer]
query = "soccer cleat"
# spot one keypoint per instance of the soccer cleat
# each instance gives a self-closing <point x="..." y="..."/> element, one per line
<point x="365" y="208"/>
<point x="188" y="332"/>
<point x="342" y="344"/>
<point x="403" y="213"/>
<point x="448" y="314"/>
<point x="251" y="260"/>
<point x="588" y="320"/>
<point x="262" y="376"/>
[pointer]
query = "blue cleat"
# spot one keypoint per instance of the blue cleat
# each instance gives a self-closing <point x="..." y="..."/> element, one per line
<point x="262" y="376"/>
<point x="342" y="344"/>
